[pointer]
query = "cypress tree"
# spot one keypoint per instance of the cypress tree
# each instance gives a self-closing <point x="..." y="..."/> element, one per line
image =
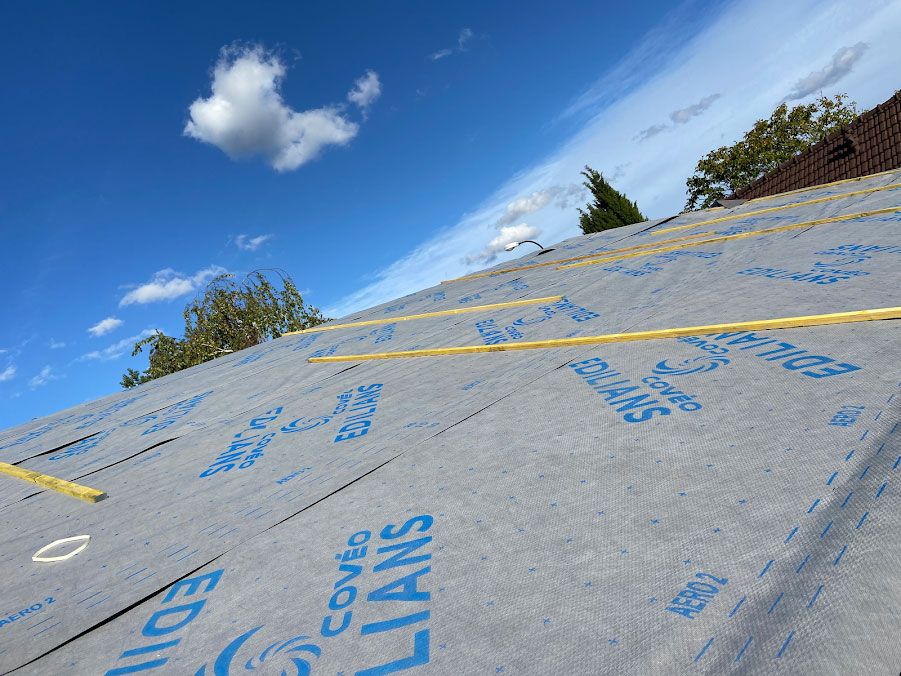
<point x="610" y="208"/>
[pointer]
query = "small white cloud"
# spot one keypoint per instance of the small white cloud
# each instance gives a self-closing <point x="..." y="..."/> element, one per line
<point x="525" y="205"/>
<point x="653" y="130"/>
<point x="680" y="116"/>
<point x="440" y="54"/>
<point x="366" y="90"/>
<point x="683" y="115"/>
<point x="117" y="349"/>
<point x="509" y="233"/>
<point x="44" y="377"/>
<point x="104" y="326"/>
<point x="842" y="63"/>
<point x="246" y="115"/>
<point x="54" y="345"/>
<point x="539" y="200"/>
<point x="252" y="243"/>
<point x="464" y="37"/>
<point x="8" y="374"/>
<point x="167" y="284"/>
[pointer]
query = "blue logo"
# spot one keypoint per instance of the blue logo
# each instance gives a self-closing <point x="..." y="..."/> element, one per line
<point x="279" y="654"/>
<point x="689" y="366"/>
<point x="304" y="424"/>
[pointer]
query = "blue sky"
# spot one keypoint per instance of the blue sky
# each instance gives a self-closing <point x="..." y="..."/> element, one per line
<point x="370" y="149"/>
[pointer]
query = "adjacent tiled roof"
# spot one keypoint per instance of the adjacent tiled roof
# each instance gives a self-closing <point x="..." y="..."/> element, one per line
<point x="869" y="145"/>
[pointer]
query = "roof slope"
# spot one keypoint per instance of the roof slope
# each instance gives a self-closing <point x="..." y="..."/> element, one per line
<point x="684" y="505"/>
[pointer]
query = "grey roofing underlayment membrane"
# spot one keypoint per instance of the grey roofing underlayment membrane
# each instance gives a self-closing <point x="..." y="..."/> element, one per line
<point x="525" y="512"/>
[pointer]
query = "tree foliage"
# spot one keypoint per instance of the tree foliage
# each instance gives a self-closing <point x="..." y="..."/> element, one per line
<point x="610" y="208"/>
<point x="768" y="144"/>
<point x="228" y="318"/>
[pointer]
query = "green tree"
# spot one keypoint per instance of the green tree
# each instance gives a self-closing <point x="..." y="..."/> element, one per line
<point x="768" y="144"/>
<point x="610" y="208"/>
<point x="229" y="317"/>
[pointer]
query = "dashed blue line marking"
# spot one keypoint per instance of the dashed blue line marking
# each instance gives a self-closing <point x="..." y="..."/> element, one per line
<point x="847" y="498"/>
<point x="135" y="573"/>
<point x="879" y="450"/>
<point x="848" y="457"/>
<point x="86" y="598"/>
<point x="790" y="535"/>
<point x="892" y="431"/>
<point x="778" y="598"/>
<point x="97" y="603"/>
<point x="831" y="479"/>
<point x="840" y="555"/>
<point x="891" y="396"/>
<point x="176" y="552"/>
<point x="40" y="623"/>
<point x="186" y="555"/>
<point x="814" y="505"/>
<point x="742" y="651"/>
<point x="879" y="492"/>
<point x="704" y="649"/>
<point x="814" y="597"/>
<point x="802" y="564"/>
<point x="864" y="473"/>
<point x="765" y="569"/>
<point x="860" y="523"/>
<point x="864" y="434"/>
<point x="785" y="645"/>
<point x="49" y="628"/>
<point x="826" y="530"/>
<point x="737" y="606"/>
<point x="896" y="462"/>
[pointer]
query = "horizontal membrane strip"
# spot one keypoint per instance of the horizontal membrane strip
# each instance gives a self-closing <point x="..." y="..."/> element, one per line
<point x="58" y="485"/>
<point x="683" y="227"/>
<point x="577" y="258"/>
<point x="770" y="210"/>
<point x="758" y="325"/>
<point x="424" y="315"/>
<point x="741" y="235"/>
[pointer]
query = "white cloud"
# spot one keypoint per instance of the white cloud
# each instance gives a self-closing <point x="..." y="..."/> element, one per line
<point x="648" y="132"/>
<point x="366" y="90"/>
<point x="54" y="345"/>
<point x="104" y="326"/>
<point x="246" y="115"/>
<point x="539" y="200"/>
<point x="525" y="205"/>
<point x="842" y="63"/>
<point x="464" y="36"/>
<point x="167" y="284"/>
<point x="44" y="377"/>
<point x="117" y="349"/>
<point x="8" y="374"/>
<point x="250" y="244"/>
<point x="752" y="83"/>
<point x="680" y="116"/>
<point x="440" y="54"/>
<point x="508" y="234"/>
<point x="683" y="115"/>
